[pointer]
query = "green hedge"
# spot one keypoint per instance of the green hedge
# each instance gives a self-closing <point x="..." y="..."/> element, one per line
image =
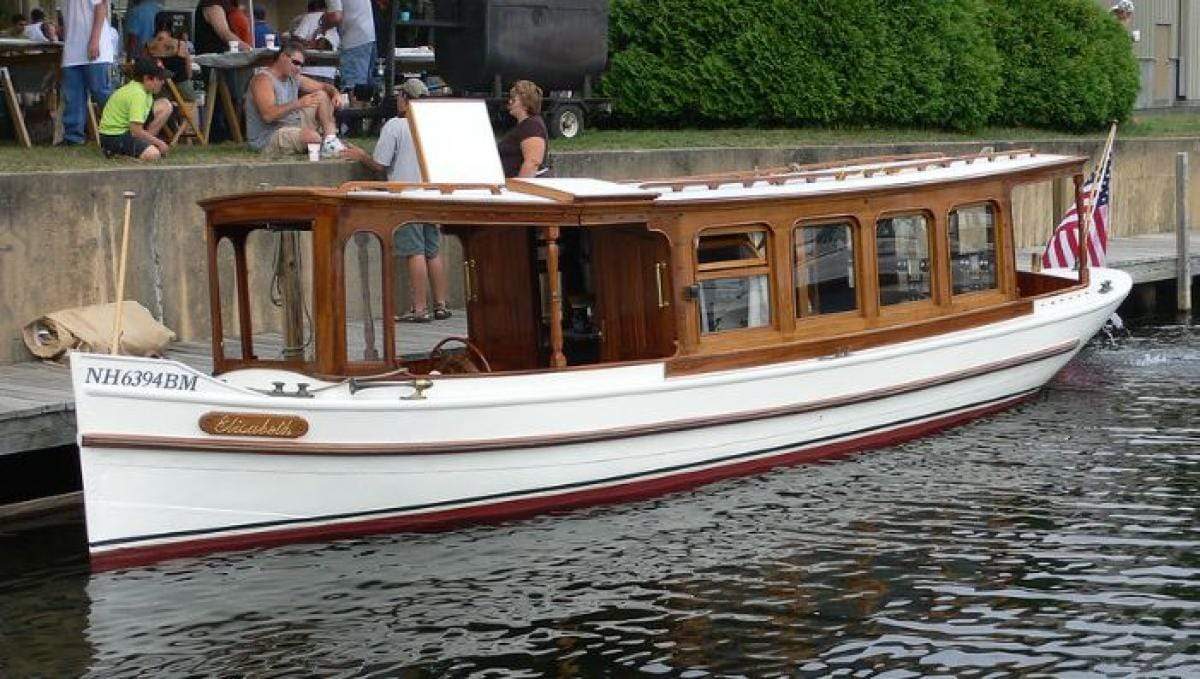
<point x="944" y="63"/>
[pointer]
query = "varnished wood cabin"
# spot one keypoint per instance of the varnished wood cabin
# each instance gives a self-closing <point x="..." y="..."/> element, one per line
<point x="709" y="273"/>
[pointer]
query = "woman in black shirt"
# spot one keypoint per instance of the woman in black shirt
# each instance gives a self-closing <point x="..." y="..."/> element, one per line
<point x="523" y="149"/>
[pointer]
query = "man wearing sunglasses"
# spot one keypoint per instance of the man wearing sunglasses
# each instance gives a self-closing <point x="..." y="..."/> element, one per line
<point x="287" y="111"/>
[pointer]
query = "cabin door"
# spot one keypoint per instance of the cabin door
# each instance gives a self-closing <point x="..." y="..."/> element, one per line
<point x="633" y="293"/>
<point x="502" y="297"/>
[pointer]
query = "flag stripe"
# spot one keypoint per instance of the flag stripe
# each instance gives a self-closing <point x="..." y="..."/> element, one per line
<point x="1062" y="249"/>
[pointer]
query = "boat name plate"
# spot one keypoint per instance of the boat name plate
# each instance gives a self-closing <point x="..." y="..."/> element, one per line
<point x="254" y="424"/>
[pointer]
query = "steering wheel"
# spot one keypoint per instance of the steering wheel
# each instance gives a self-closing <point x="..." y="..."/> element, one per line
<point x="443" y="361"/>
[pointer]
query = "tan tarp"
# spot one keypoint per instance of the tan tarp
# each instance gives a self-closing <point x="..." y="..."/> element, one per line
<point x="90" y="328"/>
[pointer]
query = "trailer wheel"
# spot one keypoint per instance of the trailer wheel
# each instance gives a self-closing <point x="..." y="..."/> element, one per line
<point x="566" y="122"/>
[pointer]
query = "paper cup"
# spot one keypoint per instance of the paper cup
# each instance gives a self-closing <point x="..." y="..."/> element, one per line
<point x="233" y="45"/>
<point x="269" y="39"/>
<point x="314" y="152"/>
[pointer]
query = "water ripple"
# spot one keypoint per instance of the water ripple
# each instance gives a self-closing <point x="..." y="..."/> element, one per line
<point x="1059" y="538"/>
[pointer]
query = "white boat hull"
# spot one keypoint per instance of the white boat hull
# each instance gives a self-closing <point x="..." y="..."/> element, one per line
<point x="495" y="447"/>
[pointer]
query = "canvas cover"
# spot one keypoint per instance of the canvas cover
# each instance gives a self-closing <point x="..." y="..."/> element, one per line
<point x="90" y="328"/>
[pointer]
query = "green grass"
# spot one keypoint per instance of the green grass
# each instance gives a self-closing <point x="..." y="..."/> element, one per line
<point x="41" y="158"/>
<point x="15" y="158"/>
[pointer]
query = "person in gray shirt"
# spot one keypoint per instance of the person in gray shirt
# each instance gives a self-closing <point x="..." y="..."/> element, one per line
<point x="396" y="156"/>
<point x="281" y="121"/>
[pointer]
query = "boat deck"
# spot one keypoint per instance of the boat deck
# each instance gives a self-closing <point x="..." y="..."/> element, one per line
<point x="37" y="408"/>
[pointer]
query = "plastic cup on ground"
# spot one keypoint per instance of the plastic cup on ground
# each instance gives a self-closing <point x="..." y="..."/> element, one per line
<point x="269" y="39"/>
<point x="233" y="45"/>
<point x="314" y="152"/>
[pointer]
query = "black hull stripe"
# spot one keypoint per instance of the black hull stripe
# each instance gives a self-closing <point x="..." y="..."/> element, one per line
<point x="513" y="495"/>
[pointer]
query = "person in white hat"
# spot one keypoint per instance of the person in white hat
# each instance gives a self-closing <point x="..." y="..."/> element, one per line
<point x="1123" y="11"/>
<point x="396" y="156"/>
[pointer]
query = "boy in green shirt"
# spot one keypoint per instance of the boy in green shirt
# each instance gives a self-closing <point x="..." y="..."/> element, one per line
<point x="127" y="128"/>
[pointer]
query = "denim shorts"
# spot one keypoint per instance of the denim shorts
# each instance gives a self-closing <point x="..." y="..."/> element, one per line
<point x="122" y="145"/>
<point x="415" y="239"/>
<point x="358" y="65"/>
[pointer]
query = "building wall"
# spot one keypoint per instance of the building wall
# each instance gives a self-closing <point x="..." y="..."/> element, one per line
<point x="1168" y="52"/>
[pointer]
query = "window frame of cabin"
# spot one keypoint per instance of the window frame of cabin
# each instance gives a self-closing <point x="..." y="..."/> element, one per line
<point x="932" y="236"/>
<point x="381" y="334"/>
<point x="856" y="253"/>
<point x="737" y="269"/>
<point x="998" y="282"/>
<point x="239" y="235"/>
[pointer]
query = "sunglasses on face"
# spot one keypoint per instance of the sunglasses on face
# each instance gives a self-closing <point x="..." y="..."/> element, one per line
<point x="296" y="62"/>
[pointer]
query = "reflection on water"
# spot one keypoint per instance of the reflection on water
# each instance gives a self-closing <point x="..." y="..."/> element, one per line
<point x="1059" y="537"/>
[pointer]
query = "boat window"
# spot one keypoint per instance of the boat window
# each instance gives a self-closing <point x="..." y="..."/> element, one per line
<point x="264" y="286"/>
<point x="902" y="246"/>
<point x="824" y="267"/>
<point x="362" y="259"/>
<point x="973" y="248"/>
<point x="734" y="280"/>
<point x="731" y="250"/>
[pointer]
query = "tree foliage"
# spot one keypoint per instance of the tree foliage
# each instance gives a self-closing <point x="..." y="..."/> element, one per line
<point x="956" y="64"/>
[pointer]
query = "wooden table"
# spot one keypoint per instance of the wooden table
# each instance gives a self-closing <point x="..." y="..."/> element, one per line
<point x="32" y="70"/>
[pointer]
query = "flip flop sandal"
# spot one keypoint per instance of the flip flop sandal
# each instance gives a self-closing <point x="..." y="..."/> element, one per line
<point x="414" y="317"/>
<point x="440" y="312"/>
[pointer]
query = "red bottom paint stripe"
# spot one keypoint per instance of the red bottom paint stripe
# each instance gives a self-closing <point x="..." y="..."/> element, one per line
<point x="515" y="509"/>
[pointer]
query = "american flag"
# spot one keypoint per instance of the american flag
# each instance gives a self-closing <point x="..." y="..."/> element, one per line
<point x="1064" y="243"/>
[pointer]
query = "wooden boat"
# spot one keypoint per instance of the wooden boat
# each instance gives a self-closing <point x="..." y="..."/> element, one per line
<point x="623" y="340"/>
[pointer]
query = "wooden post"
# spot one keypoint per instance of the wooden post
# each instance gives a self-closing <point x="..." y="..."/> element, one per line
<point x="115" y="347"/>
<point x="557" y="359"/>
<point x="292" y="296"/>
<point x="1183" y="271"/>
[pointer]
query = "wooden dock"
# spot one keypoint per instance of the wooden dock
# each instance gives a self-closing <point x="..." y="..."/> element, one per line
<point x="37" y="409"/>
<point x="1148" y="258"/>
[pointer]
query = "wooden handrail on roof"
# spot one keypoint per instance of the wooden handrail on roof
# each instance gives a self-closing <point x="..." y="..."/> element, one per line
<point x="400" y="187"/>
<point x="865" y="167"/>
<point x="791" y="168"/>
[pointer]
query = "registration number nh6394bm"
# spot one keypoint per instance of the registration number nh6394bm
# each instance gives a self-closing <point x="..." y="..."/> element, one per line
<point x="159" y="379"/>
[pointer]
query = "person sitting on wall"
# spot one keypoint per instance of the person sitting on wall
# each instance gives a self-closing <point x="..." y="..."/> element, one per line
<point x="279" y="120"/>
<point x="133" y="117"/>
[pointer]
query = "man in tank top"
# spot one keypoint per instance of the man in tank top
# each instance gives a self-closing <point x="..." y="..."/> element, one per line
<point x="281" y="121"/>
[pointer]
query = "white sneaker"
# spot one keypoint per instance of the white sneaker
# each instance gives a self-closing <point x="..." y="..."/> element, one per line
<point x="332" y="148"/>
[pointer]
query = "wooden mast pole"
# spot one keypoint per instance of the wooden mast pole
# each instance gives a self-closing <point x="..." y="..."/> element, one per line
<point x="1085" y="223"/>
<point x="115" y="346"/>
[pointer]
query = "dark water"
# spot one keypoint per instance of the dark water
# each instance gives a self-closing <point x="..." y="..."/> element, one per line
<point x="1060" y="538"/>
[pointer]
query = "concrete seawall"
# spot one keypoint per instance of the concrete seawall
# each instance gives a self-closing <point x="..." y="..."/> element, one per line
<point x="58" y="229"/>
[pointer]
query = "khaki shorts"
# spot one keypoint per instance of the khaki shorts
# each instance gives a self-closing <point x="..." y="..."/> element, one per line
<point x="287" y="140"/>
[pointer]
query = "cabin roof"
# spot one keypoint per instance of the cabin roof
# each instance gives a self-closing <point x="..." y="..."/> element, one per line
<point x="854" y="177"/>
<point x="861" y="175"/>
